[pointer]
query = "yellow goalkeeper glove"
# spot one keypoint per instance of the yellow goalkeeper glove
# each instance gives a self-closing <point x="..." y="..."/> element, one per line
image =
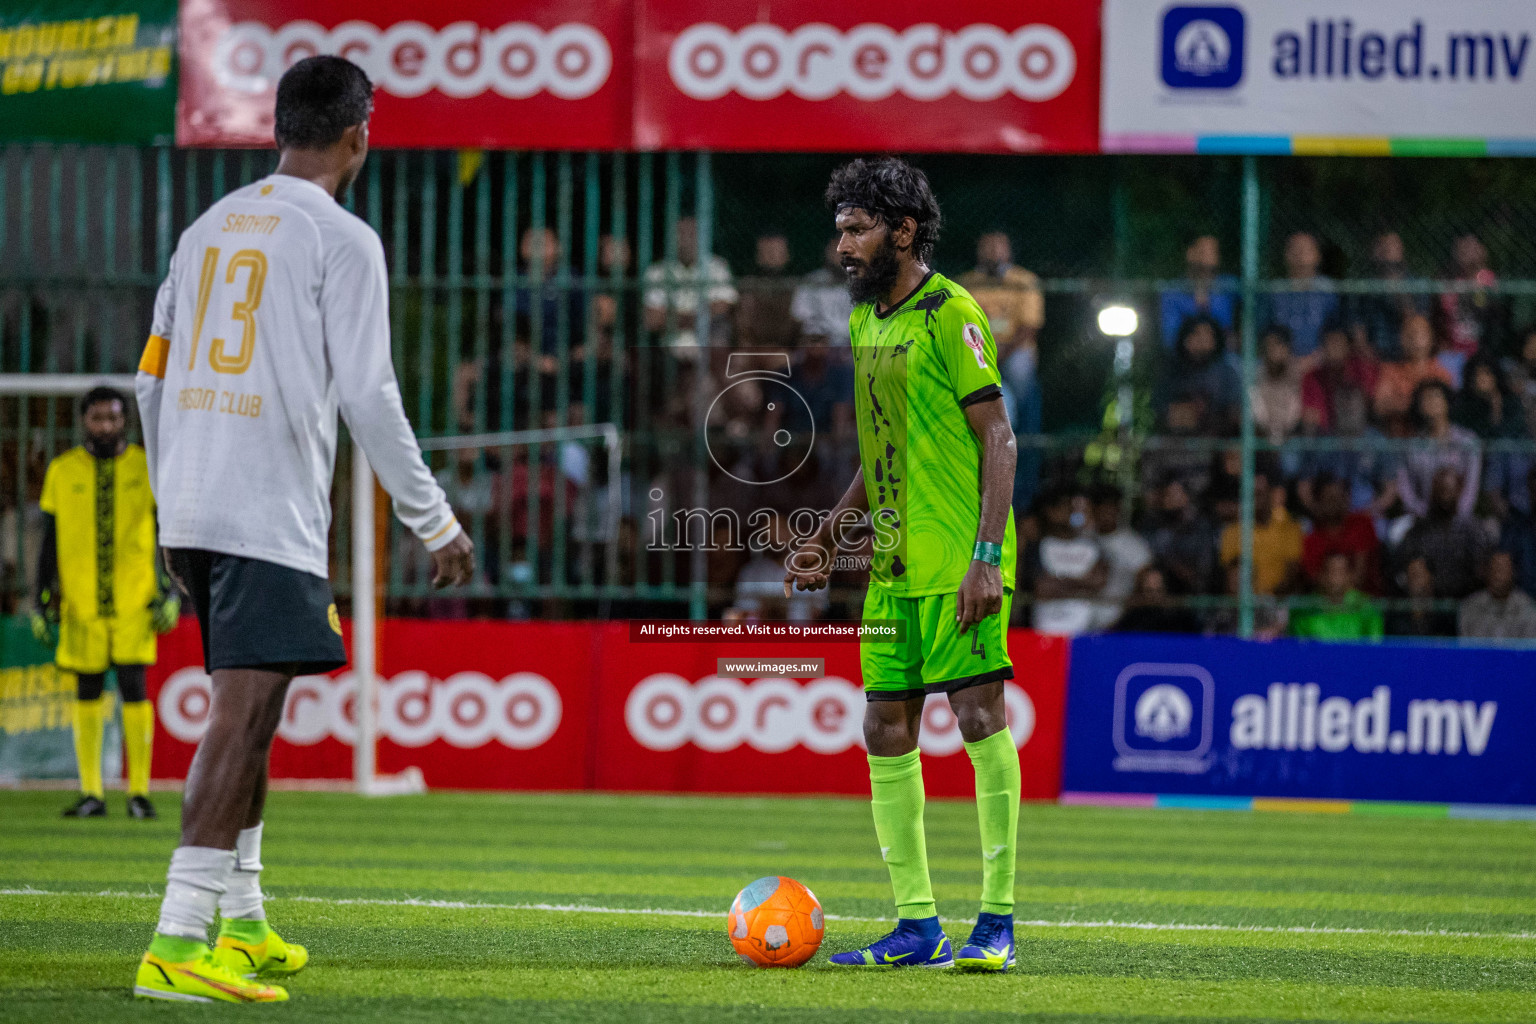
<point x="45" y="630"/>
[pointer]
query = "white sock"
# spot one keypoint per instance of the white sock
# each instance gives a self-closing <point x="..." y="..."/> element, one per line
<point x="193" y="885"/>
<point x="242" y="897"/>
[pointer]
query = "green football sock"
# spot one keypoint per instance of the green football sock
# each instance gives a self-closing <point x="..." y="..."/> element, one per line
<point x="177" y="949"/>
<point x="246" y="931"/>
<point x="996" y="761"/>
<point x="896" y="794"/>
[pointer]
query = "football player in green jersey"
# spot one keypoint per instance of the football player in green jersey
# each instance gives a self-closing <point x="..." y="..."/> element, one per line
<point x="936" y="455"/>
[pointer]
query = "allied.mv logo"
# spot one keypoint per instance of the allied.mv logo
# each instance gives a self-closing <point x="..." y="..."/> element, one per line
<point x="1202" y="47"/>
<point x="1164" y="718"/>
<point x="1163" y="712"/>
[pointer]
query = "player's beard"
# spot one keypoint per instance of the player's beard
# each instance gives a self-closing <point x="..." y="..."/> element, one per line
<point x="877" y="277"/>
<point x="103" y="446"/>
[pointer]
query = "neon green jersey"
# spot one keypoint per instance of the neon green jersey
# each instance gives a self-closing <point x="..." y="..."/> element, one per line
<point x="916" y="367"/>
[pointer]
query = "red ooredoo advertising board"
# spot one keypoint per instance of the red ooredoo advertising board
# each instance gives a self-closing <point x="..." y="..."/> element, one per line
<point x="540" y="75"/>
<point x="969" y="76"/>
<point x="894" y="75"/>
<point x="578" y="705"/>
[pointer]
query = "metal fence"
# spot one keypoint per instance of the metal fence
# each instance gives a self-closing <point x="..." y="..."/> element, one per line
<point x="555" y="292"/>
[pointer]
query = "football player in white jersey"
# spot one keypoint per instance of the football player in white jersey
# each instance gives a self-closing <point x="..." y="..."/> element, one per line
<point x="273" y="318"/>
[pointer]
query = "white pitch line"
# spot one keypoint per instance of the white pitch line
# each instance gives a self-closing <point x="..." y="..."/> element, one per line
<point x="586" y="908"/>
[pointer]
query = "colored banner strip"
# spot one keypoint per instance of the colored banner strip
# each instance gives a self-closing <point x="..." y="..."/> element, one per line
<point x="1260" y="145"/>
<point x="1313" y="145"/>
<point x="1109" y="799"/>
<point x="1174" y="801"/>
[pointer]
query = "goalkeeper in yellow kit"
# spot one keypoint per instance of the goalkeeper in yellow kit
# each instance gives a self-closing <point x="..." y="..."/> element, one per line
<point x="101" y="596"/>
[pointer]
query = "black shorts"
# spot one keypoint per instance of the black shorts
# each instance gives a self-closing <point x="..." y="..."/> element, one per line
<point x="257" y="614"/>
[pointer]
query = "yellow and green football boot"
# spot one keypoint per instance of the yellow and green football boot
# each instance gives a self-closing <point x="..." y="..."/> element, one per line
<point x="202" y="980"/>
<point x="251" y="948"/>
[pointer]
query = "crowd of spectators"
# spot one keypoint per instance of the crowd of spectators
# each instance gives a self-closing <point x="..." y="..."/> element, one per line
<point x="1447" y="574"/>
<point x="1384" y="502"/>
<point x="687" y="343"/>
<point x="1399" y="510"/>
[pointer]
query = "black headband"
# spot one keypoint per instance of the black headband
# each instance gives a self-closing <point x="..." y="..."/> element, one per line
<point x="874" y="210"/>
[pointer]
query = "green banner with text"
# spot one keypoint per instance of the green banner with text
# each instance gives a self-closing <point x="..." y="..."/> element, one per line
<point x="88" y="70"/>
<point x="37" y="703"/>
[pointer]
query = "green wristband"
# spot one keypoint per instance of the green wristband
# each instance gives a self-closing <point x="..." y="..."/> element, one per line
<point x="992" y="554"/>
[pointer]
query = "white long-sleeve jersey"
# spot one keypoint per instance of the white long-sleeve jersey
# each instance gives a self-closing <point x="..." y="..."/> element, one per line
<point x="274" y="315"/>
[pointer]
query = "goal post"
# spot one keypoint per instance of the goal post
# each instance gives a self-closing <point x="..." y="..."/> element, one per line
<point x="61" y="385"/>
<point x="365" y="642"/>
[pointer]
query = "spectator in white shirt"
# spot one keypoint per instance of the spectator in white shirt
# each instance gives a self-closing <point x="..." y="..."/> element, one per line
<point x="672" y="294"/>
<point x="821" y="305"/>
<point x="1499" y="611"/>
<point x="1067" y="566"/>
<point x="1126" y="553"/>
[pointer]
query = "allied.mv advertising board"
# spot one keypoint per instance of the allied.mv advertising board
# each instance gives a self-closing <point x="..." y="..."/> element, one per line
<point x="1380" y="77"/>
<point x="1214" y="716"/>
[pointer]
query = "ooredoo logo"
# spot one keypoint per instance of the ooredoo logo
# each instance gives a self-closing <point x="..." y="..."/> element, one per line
<point x="871" y="62"/>
<point x="665" y="711"/>
<point x="408" y="59"/>
<point x="468" y="709"/>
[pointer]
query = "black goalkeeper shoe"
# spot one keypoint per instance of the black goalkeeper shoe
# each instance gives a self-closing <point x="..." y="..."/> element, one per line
<point x="140" y="809"/>
<point x="87" y="807"/>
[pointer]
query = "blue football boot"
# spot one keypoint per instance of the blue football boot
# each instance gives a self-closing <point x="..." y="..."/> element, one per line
<point x="916" y="942"/>
<point x="990" y="947"/>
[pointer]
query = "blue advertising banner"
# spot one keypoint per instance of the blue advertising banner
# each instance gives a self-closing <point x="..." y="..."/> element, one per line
<point x="1346" y="77"/>
<point x="1223" y="717"/>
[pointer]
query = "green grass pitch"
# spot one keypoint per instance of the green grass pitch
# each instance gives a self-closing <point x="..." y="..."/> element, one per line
<point x="599" y="908"/>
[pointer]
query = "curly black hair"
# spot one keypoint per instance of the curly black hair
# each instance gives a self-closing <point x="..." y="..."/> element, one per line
<point x="318" y="99"/>
<point x="890" y="189"/>
<point x="99" y="394"/>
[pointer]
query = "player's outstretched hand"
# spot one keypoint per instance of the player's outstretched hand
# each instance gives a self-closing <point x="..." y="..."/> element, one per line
<point x="808" y="567"/>
<point x="453" y="564"/>
<point x="981" y="595"/>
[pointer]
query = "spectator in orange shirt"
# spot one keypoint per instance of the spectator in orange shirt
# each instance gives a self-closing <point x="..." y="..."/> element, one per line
<point x="1015" y="308"/>
<point x="1277" y="541"/>
<point x="1008" y="294"/>
<point x="1398" y="381"/>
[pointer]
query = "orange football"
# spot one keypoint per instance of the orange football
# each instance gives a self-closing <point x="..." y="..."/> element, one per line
<point x="775" y="922"/>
